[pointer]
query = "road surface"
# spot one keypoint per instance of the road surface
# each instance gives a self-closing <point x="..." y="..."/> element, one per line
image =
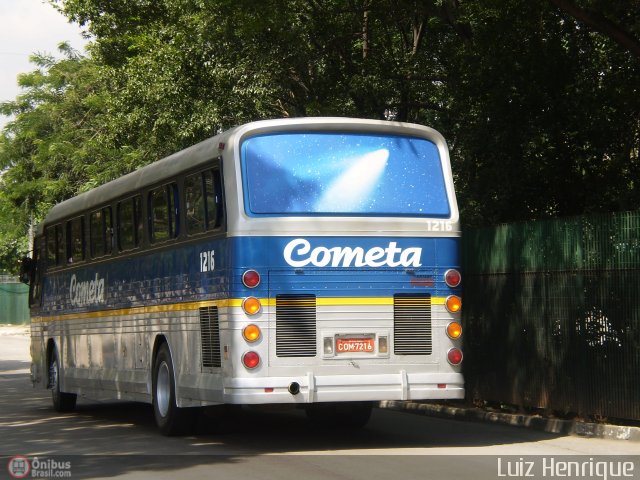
<point x="119" y="440"/>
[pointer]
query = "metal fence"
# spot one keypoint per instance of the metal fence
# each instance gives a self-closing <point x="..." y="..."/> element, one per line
<point x="14" y="298"/>
<point x="552" y="314"/>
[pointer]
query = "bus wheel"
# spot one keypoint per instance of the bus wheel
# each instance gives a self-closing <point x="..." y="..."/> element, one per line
<point x="170" y="419"/>
<point x="62" y="401"/>
<point x="350" y="415"/>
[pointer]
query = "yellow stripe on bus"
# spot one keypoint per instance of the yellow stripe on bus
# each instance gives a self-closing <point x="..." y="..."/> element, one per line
<point x="231" y="302"/>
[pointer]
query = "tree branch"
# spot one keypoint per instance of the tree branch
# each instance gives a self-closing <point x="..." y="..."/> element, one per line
<point x="601" y="24"/>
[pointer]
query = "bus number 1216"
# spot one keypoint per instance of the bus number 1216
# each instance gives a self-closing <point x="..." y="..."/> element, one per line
<point x="207" y="261"/>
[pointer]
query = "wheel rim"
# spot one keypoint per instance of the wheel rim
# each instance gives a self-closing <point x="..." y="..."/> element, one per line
<point x="163" y="389"/>
<point x="53" y="372"/>
<point x="54" y="375"/>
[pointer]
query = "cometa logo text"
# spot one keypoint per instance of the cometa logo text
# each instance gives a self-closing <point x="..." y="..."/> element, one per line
<point x="298" y="253"/>
<point x="86" y="293"/>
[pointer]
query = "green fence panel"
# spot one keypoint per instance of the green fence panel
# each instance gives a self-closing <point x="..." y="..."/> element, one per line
<point x="578" y="243"/>
<point x="14" y="303"/>
<point x="552" y="314"/>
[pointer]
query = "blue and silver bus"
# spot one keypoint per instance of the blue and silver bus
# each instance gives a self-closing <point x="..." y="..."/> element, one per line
<point x="307" y="261"/>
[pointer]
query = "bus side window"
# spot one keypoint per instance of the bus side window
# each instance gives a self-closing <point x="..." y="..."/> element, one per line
<point x="101" y="232"/>
<point x="108" y="230"/>
<point x="75" y="240"/>
<point x="129" y="221"/>
<point x="54" y="245"/>
<point x="213" y="194"/>
<point x="163" y="213"/>
<point x="194" y="203"/>
<point x="59" y="245"/>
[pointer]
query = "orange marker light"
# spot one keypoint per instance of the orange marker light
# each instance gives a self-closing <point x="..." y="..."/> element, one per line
<point x="454" y="330"/>
<point x="453" y="303"/>
<point x="251" y="305"/>
<point x="251" y="333"/>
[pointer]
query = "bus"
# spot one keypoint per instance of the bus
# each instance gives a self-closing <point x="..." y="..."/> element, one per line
<point x="311" y="262"/>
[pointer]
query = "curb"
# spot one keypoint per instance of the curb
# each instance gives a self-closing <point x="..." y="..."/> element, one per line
<point x="549" y="425"/>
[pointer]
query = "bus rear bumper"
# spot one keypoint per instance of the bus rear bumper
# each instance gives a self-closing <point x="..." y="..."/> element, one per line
<point x="339" y="388"/>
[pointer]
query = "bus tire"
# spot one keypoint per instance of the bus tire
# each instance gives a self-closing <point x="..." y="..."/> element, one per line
<point x="170" y="419"/>
<point x="341" y="415"/>
<point x="62" y="401"/>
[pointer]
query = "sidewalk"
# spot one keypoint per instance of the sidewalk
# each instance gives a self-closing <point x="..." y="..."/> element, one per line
<point x="535" y="422"/>
<point x="14" y="330"/>
<point x="15" y="356"/>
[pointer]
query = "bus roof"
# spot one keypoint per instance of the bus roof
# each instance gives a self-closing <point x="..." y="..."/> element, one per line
<point x="151" y="174"/>
<point x="202" y="153"/>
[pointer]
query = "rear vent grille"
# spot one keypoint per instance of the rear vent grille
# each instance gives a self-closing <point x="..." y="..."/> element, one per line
<point x="210" y="336"/>
<point x="296" y="325"/>
<point x="412" y="324"/>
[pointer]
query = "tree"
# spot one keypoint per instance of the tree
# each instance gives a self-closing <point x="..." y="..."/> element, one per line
<point x="538" y="98"/>
<point x="49" y="151"/>
<point x="598" y="14"/>
<point x="543" y="115"/>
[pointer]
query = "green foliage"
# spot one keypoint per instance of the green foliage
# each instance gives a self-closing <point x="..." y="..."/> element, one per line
<point x="50" y="149"/>
<point x="538" y="98"/>
<point x="544" y="116"/>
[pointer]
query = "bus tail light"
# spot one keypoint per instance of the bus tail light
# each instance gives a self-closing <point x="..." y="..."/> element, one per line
<point x="251" y="360"/>
<point x="251" y="333"/>
<point x="251" y="279"/>
<point x="454" y="330"/>
<point x="453" y="303"/>
<point x="452" y="278"/>
<point x="251" y="305"/>
<point x="454" y="355"/>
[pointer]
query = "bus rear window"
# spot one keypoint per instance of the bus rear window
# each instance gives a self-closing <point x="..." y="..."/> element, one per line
<point x="343" y="174"/>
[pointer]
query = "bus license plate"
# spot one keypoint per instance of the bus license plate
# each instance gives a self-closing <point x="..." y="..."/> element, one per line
<point x="354" y="345"/>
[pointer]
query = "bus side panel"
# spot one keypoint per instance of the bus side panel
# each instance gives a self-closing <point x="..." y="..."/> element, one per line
<point x="109" y="316"/>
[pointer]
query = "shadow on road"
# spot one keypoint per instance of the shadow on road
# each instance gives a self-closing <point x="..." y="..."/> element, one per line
<point x="14" y="367"/>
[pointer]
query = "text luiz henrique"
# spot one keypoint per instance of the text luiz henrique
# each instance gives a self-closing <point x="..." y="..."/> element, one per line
<point x="550" y="467"/>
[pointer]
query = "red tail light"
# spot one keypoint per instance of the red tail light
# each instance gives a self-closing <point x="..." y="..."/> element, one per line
<point x="251" y="360"/>
<point x="452" y="278"/>
<point x="251" y="279"/>
<point x="454" y="355"/>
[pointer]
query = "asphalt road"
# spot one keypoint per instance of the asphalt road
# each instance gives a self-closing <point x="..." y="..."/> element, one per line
<point x="119" y="440"/>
